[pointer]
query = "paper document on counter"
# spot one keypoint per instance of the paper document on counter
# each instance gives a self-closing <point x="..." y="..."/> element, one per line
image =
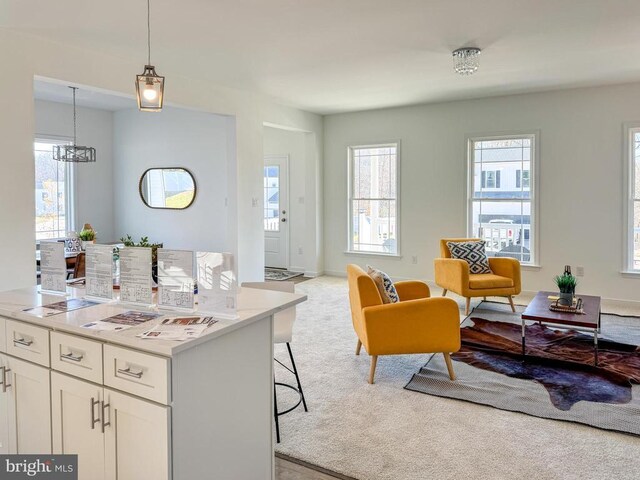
<point x="179" y="328"/>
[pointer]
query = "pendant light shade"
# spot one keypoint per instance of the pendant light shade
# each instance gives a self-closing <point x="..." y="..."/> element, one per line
<point x="149" y="89"/>
<point x="74" y="153"/>
<point x="149" y="85"/>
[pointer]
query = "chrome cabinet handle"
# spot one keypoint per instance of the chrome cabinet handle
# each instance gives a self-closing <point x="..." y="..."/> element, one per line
<point x="103" y="423"/>
<point x="2" y="378"/>
<point x="94" y="420"/>
<point x="127" y="371"/>
<point x="70" y="356"/>
<point x="22" y="341"/>
<point x="5" y="385"/>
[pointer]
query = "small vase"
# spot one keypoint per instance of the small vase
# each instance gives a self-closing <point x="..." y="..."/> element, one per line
<point x="565" y="299"/>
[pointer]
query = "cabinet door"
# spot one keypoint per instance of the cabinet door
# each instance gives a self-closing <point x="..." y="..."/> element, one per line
<point x="29" y="407"/>
<point x="4" y="410"/>
<point x="76" y="423"/>
<point x="137" y="438"/>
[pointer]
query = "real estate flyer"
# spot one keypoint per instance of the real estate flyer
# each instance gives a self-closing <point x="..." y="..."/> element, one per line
<point x="179" y="328"/>
<point x="135" y="275"/>
<point x="99" y="271"/>
<point x="60" y="307"/>
<point x="53" y="267"/>
<point x="121" y="321"/>
<point x="175" y="279"/>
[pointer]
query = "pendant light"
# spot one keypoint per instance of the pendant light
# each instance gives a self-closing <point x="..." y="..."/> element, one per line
<point x="74" y="153"/>
<point x="149" y="85"/>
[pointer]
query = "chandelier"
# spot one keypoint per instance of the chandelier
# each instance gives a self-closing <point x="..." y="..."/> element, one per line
<point x="466" y="60"/>
<point x="149" y="85"/>
<point x="74" y="153"/>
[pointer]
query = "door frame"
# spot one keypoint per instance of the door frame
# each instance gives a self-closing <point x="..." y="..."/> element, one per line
<point x="286" y="235"/>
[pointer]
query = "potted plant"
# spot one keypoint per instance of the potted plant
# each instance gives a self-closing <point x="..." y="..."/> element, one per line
<point x="144" y="242"/>
<point x="567" y="286"/>
<point x="87" y="235"/>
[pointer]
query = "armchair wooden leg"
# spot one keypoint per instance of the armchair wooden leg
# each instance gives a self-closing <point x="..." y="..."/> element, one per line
<point x="444" y="292"/>
<point x="358" y="347"/>
<point x="372" y="371"/>
<point x="468" y="308"/>
<point x="447" y="359"/>
<point x="513" y="307"/>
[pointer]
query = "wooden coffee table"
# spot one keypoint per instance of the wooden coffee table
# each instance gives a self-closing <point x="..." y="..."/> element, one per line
<point x="589" y="321"/>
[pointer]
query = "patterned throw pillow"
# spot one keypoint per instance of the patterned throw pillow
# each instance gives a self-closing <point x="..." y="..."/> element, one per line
<point x="385" y="285"/>
<point x="473" y="253"/>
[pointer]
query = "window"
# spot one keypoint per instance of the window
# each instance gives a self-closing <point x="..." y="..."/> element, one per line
<point x="501" y="198"/>
<point x="373" y="199"/>
<point x="522" y="178"/>
<point x="491" y="179"/>
<point x="633" y="199"/>
<point x="53" y="192"/>
<point x="271" y="186"/>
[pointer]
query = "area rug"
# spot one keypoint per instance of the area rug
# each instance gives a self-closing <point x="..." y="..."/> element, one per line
<point x="280" y="275"/>
<point x="385" y="432"/>
<point x="557" y="380"/>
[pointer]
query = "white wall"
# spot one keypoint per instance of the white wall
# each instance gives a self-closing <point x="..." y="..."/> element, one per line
<point x="94" y="181"/>
<point x="177" y="138"/>
<point x="303" y="200"/>
<point x="25" y="56"/>
<point x="581" y="159"/>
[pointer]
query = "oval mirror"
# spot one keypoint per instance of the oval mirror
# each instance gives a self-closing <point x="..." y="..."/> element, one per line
<point x="173" y="188"/>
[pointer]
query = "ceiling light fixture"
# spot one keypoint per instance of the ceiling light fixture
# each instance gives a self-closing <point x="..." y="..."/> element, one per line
<point x="466" y="60"/>
<point x="74" y="153"/>
<point x="149" y="85"/>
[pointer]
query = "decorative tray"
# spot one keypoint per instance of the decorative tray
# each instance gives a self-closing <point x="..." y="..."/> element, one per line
<point x="575" y="308"/>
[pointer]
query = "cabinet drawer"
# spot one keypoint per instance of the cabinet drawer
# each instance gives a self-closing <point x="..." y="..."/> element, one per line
<point x="3" y="338"/>
<point x="138" y="373"/>
<point x="76" y="356"/>
<point x="28" y="342"/>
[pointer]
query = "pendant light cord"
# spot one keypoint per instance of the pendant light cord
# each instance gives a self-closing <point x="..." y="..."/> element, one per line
<point x="74" y="115"/>
<point x="148" y="32"/>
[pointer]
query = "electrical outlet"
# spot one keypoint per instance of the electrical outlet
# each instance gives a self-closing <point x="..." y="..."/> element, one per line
<point x="414" y="259"/>
<point x="580" y="271"/>
<point x="299" y="250"/>
<point x="254" y="202"/>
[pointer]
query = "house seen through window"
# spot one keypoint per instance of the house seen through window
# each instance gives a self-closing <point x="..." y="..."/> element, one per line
<point x="53" y="190"/>
<point x="373" y="199"/>
<point x="501" y="197"/>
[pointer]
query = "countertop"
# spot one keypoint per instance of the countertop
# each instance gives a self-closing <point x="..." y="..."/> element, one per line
<point x="253" y="305"/>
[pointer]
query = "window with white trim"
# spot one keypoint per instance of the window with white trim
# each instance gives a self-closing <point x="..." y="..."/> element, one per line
<point x="633" y="199"/>
<point x="373" y="199"/>
<point x="501" y="199"/>
<point x="53" y="192"/>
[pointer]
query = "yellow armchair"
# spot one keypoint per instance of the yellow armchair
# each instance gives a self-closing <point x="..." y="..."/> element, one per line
<point x="453" y="275"/>
<point x="416" y="324"/>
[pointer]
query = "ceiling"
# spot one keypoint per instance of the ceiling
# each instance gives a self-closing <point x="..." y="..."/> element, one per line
<point x="330" y="56"/>
<point x="59" y="92"/>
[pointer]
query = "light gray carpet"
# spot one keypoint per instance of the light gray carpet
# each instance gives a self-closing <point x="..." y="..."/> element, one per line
<point x="384" y="432"/>
<point x="528" y="396"/>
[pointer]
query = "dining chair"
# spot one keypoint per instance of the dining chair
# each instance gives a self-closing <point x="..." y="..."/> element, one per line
<point x="283" y="333"/>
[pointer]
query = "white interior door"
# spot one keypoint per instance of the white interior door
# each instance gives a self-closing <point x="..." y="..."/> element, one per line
<point x="276" y="211"/>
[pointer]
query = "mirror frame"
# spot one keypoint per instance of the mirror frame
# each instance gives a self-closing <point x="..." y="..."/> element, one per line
<point x="195" y="187"/>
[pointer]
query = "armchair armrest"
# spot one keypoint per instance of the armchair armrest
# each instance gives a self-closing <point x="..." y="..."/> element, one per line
<point x="415" y="326"/>
<point x="507" y="267"/>
<point x="412" y="290"/>
<point x="452" y="274"/>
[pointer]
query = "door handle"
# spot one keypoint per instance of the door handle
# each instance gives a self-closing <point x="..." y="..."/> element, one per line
<point x="5" y="385"/>
<point x="94" y="420"/>
<point x="127" y="371"/>
<point x="22" y="341"/>
<point x="70" y="356"/>
<point x="103" y="423"/>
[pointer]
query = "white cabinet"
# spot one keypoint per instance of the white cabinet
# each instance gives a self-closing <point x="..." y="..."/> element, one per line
<point x="77" y="423"/>
<point x="137" y="438"/>
<point x="116" y="436"/>
<point x="4" y="408"/>
<point x="26" y="406"/>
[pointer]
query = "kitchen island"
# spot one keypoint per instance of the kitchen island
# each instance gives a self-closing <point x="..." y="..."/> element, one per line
<point x="135" y="408"/>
